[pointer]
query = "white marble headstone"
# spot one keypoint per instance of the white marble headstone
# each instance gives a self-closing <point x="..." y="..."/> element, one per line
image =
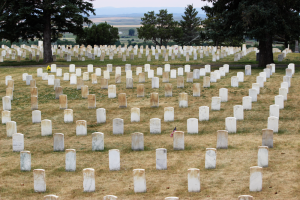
<point x="39" y="180"/>
<point x="155" y="125"/>
<point x="114" y="159"/>
<point x="25" y="161"/>
<point x="161" y="159"/>
<point x="194" y="180"/>
<point x="203" y="113"/>
<point x="255" y="179"/>
<point x="118" y="126"/>
<point x="97" y="141"/>
<point x="192" y="125"/>
<point x="139" y="180"/>
<point x="273" y="123"/>
<point x="81" y="127"/>
<point x="135" y="115"/>
<point x="210" y="158"/>
<point x="46" y="127"/>
<point x="230" y="124"/>
<point x="70" y="160"/>
<point x="101" y="115"/>
<point x="263" y="156"/>
<point x="18" y="142"/>
<point x="88" y="180"/>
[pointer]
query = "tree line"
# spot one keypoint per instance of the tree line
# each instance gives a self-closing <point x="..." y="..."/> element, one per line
<point x="227" y="23"/>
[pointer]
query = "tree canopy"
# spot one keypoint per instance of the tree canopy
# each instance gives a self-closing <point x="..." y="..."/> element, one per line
<point x="101" y="34"/>
<point x="160" y="28"/>
<point x="131" y="32"/>
<point x="42" y="19"/>
<point x="260" y="19"/>
<point x="190" y="27"/>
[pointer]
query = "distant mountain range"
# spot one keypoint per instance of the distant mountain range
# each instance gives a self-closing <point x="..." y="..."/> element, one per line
<point x="139" y="11"/>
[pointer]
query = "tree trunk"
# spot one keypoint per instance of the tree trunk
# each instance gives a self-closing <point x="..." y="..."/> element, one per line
<point x="265" y="52"/>
<point x="47" y="37"/>
<point x="286" y="44"/>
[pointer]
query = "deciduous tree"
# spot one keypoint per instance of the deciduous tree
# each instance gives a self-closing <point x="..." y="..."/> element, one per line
<point x="160" y="28"/>
<point x="101" y="34"/>
<point x="131" y="32"/>
<point x="42" y="19"/>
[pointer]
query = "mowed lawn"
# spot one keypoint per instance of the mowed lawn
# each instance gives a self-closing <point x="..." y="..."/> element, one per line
<point x="229" y="180"/>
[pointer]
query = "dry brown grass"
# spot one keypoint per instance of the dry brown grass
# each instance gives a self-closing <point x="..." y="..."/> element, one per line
<point x="229" y="180"/>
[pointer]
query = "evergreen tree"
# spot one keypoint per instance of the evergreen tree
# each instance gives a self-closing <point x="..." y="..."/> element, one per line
<point x="42" y="19"/>
<point x="190" y="26"/>
<point x="259" y="19"/>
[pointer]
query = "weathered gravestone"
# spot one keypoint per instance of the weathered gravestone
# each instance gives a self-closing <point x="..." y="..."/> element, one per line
<point x="118" y="126"/>
<point x="210" y="158"/>
<point x="70" y="160"/>
<point x="137" y="141"/>
<point x="39" y="180"/>
<point x="178" y="140"/>
<point x="97" y="141"/>
<point x="161" y="159"/>
<point x="25" y="161"/>
<point x="46" y="127"/>
<point x="139" y="180"/>
<point x="63" y="101"/>
<point x="11" y="128"/>
<point x="255" y="179"/>
<point x="114" y="159"/>
<point x="194" y="180"/>
<point x="58" y="142"/>
<point x="263" y="156"/>
<point x="18" y="142"/>
<point x="222" y="139"/>
<point x="230" y="124"/>
<point x="135" y="115"/>
<point x="88" y="180"/>
<point x="238" y="112"/>
<point x="154" y="99"/>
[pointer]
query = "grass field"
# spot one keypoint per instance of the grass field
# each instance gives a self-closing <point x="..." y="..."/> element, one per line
<point x="229" y="180"/>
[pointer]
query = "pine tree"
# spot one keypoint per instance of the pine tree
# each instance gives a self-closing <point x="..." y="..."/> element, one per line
<point x="190" y="26"/>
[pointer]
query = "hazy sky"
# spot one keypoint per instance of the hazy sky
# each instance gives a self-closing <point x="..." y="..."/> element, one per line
<point x="148" y="3"/>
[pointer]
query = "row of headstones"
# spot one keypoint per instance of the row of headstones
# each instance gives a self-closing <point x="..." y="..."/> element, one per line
<point x="165" y="79"/>
<point x="196" y="73"/>
<point x="155" y="83"/>
<point x="109" y="68"/>
<point x="155" y="123"/>
<point x="129" y="83"/>
<point x="273" y="120"/>
<point x="113" y="197"/>
<point x="223" y="94"/>
<point x="238" y="111"/>
<point x="161" y="162"/>
<point x="137" y="141"/>
<point x="139" y="180"/>
<point x="154" y="101"/>
<point x="168" y="89"/>
<point x="165" y="56"/>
